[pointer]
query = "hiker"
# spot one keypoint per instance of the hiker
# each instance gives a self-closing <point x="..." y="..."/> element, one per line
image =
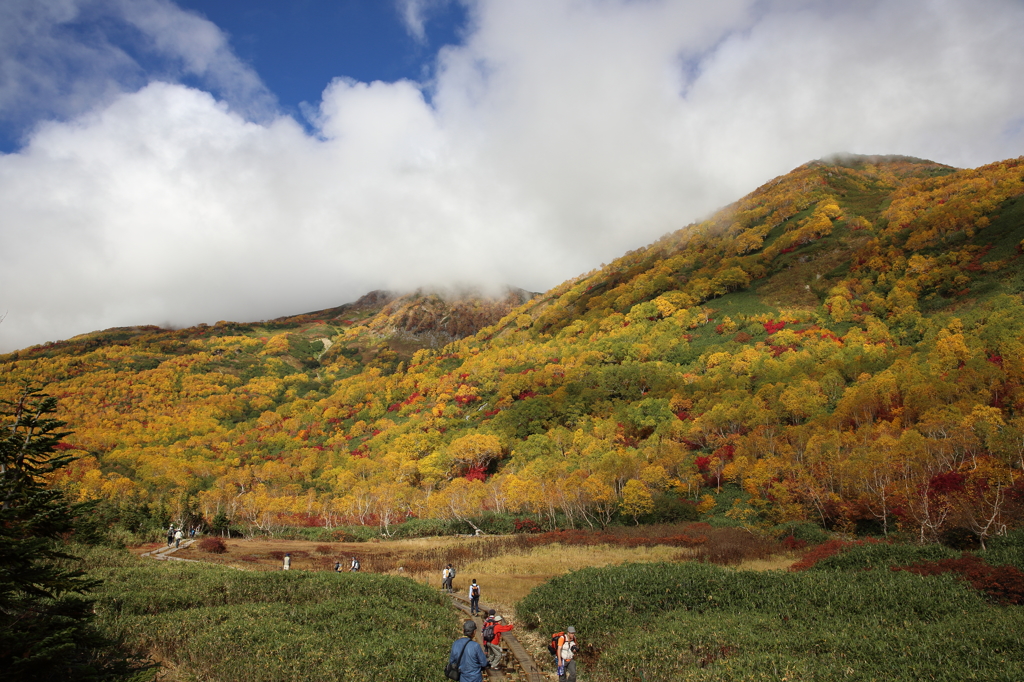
<point x="355" y="565"/>
<point x="287" y="561"/>
<point x="488" y="622"/>
<point x="474" y="598"/>
<point x="492" y="646"/>
<point x="192" y="533"/>
<point x="565" y="654"/>
<point x="446" y="578"/>
<point x="337" y="567"/>
<point x="468" y="658"/>
<point x="178" y="535"/>
<point x="170" y="535"/>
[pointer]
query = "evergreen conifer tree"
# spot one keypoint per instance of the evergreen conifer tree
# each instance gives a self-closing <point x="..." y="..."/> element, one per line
<point x="45" y="617"/>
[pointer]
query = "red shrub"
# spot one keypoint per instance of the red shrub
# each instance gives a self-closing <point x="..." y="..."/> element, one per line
<point x="945" y="483"/>
<point x="213" y="545"/>
<point x="1004" y="584"/>
<point x="476" y="473"/>
<point x="793" y="543"/>
<point x="824" y="551"/>
<point x="527" y="526"/>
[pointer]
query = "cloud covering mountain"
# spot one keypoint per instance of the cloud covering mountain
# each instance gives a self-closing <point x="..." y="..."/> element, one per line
<point x="158" y="182"/>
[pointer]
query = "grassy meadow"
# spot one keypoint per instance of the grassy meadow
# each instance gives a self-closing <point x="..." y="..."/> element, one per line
<point x="847" y="618"/>
<point x="686" y="602"/>
<point x="204" y="622"/>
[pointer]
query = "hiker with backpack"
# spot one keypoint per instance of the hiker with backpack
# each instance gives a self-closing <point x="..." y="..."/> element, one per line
<point x="474" y="598"/>
<point x="563" y="647"/>
<point x="354" y="567"/>
<point x="466" y="661"/>
<point x="491" y="634"/>
<point x="447" y="576"/>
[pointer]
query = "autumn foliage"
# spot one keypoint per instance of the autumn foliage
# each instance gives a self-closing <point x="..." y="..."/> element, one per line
<point x="845" y="345"/>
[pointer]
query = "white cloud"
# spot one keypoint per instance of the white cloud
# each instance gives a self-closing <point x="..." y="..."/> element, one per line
<point x="562" y="133"/>
<point x="60" y="58"/>
<point x="414" y="14"/>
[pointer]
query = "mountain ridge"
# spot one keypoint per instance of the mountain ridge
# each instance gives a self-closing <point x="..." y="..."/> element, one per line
<point x="842" y="345"/>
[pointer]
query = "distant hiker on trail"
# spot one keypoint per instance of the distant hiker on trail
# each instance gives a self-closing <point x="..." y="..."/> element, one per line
<point x="466" y="656"/>
<point x="474" y="597"/>
<point x="337" y="567"/>
<point x="447" y="575"/>
<point x="287" y="561"/>
<point x="178" y="535"/>
<point x="170" y="535"/>
<point x="565" y="654"/>
<point x="354" y="565"/>
<point x="493" y="647"/>
<point x="192" y="533"/>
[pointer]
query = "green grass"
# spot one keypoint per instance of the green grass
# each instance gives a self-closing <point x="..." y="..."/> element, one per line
<point x="700" y="622"/>
<point x="216" y="623"/>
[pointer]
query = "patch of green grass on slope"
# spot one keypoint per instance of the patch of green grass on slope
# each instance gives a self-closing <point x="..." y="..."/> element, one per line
<point x="216" y="623"/>
<point x="659" y="622"/>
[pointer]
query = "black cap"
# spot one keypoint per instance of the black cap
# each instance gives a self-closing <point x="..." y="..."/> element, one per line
<point x="469" y="626"/>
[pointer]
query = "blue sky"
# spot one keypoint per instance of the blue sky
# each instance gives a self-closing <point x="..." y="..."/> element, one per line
<point x="158" y="165"/>
<point x="298" y="46"/>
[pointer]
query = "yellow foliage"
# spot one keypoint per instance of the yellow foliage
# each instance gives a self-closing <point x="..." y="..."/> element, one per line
<point x="706" y="504"/>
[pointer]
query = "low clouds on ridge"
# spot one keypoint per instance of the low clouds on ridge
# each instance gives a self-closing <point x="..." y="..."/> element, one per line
<point x="560" y="134"/>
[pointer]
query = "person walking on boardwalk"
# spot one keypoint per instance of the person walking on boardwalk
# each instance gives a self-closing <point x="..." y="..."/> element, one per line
<point x="178" y="535"/>
<point x="565" y="655"/>
<point x="354" y="567"/>
<point x="474" y="598"/>
<point x="467" y="656"/>
<point x="170" y="535"/>
<point x="287" y="561"/>
<point x="493" y="648"/>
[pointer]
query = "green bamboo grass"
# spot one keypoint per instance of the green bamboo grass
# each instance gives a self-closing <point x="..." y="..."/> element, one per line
<point x="219" y="624"/>
<point x="700" y="622"/>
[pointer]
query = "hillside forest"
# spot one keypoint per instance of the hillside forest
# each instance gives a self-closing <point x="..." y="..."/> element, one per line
<point x="843" y="346"/>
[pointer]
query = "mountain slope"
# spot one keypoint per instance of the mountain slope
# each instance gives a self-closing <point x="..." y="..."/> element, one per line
<point x="844" y="344"/>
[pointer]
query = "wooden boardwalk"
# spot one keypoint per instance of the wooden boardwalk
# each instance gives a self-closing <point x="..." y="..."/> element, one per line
<point x="164" y="553"/>
<point x="518" y="662"/>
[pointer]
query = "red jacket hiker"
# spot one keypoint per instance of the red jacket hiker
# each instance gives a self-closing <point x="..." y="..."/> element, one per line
<point x="498" y="629"/>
